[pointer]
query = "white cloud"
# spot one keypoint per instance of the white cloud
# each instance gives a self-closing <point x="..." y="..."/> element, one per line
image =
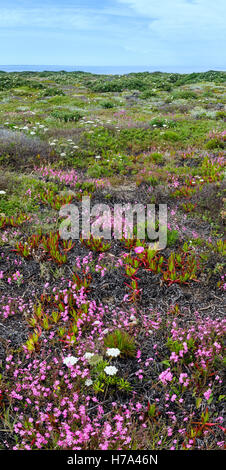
<point x="47" y="17"/>
<point x="103" y="23"/>
<point x="184" y="19"/>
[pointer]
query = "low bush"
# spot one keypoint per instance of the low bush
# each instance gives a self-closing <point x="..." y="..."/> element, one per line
<point x="67" y="116"/>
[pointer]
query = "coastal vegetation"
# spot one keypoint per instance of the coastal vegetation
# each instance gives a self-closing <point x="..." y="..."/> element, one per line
<point x="108" y="344"/>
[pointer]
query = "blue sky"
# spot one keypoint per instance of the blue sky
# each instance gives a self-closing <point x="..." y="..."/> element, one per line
<point x="113" y="32"/>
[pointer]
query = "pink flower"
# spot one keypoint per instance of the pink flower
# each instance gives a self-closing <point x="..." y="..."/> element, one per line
<point x="104" y="446"/>
<point x="139" y="249"/>
<point x="183" y="379"/>
<point x="138" y="354"/>
<point x="166" y="376"/>
<point x="207" y="394"/>
<point x="174" y="357"/>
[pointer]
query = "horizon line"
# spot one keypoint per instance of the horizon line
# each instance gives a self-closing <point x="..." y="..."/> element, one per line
<point x="112" y="65"/>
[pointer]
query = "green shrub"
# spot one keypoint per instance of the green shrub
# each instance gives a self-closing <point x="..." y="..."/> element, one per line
<point x="210" y="76"/>
<point x="214" y="144"/>
<point x="208" y="94"/>
<point x="135" y="84"/>
<point x="107" y="104"/>
<point x="152" y="180"/>
<point x="129" y="82"/>
<point x="157" y="157"/>
<point x="34" y="84"/>
<point x="97" y="171"/>
<point x="52" y="92"/>
<point x="102" y="87"/>
<point x="7" y="82"/>
<point x="147" y="94"/>
<point x="185" y="95"/>
<point x="86" y="186"/>
<point x="165" y="87"/>
<point x="128" y="140"/>
<point x="171" y="136"/>
<point x="121" y="340"/>
<point x="162" y="122"/>
<point x="221" y="115"/>
<point x="157" y="122"/>
<point x="172" y="237"/>
<point x="67" y="116"/>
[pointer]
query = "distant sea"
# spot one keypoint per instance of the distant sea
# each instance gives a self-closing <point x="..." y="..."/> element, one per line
<point x="109" y="70"/>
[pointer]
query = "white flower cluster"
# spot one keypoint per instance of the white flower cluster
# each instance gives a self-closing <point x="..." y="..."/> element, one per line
<point x="113" y="352"/>
<point x="88" y="355"/>
<point x="110" y="370"/>
<point x="38" y="127"/>
<point x="64" y="143"/>
<point x="70" y="360"/>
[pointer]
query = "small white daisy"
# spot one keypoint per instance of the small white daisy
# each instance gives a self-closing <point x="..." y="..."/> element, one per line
<point x="110" y="370"/>
<point x="88" y="382"/>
